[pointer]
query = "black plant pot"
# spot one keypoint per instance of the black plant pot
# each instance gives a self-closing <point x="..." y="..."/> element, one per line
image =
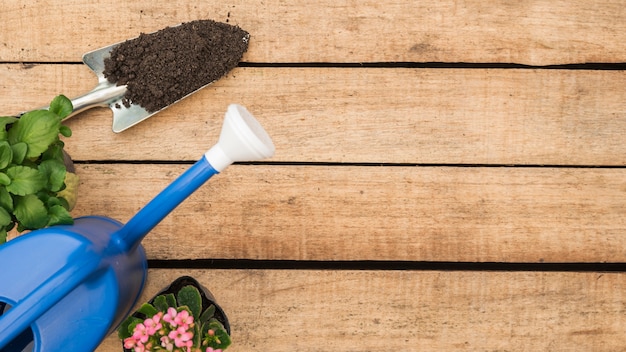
<point x="206" y="295"/>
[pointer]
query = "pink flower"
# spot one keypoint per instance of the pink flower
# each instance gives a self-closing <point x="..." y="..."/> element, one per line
<point x="181" y="336"/>
<point x="153" y="324"/>
<point x="183" y="319"/>
<point x="169" y="331"/>
<point x="140" y="333"/>
<point x="130" y="342"/>
<point x="167" y="343"/>
<point x="170" y="316"/>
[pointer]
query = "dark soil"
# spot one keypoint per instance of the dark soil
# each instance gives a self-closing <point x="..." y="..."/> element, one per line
<point x="162" y="67"/>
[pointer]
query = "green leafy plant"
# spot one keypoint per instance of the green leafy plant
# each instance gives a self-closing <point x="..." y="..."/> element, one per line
<point x="33" y="175"/>
<point x="175" y="323"/>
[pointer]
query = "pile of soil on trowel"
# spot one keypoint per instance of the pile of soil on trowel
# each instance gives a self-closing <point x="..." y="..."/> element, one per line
<point x="162" y="67"/>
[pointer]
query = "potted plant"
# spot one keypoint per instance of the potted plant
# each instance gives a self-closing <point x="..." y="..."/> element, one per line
<point x="182" y="317"/>
<point x="37" y="178"/>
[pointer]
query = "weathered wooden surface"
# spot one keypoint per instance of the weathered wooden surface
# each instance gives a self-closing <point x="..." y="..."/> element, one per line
<point x="375" y="213"/>
<point x="414" y="311"/>
<point x="529" y="32"/>
<point x="398" y="160"/>
<point x="431" y="116"/>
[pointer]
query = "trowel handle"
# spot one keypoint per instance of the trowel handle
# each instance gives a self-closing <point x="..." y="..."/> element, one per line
<point x="101" y="95"/>
<point x="242" y="139"/>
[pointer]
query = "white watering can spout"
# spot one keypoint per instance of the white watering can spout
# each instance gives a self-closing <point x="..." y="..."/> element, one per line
<point x="242" y="139"/>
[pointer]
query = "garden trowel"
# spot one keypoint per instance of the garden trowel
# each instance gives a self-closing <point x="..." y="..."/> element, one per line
<point x="66" y="287"/>
<point x="125" y="113"/>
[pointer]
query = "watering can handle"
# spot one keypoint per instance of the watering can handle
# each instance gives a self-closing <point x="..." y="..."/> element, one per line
<point x="242" y="139"/>
<point x="31" y="307"/>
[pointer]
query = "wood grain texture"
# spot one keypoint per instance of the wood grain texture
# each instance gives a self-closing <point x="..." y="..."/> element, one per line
<point x="373" y="163"/>
<point x="429" y="116"/>
<point x="413" y="311"/>
<point x="529" y="32"/>
<point x="374" y="213"/>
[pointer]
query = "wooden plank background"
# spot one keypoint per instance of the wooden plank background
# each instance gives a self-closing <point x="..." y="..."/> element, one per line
<point x="528" y="32"/>
<point x="292" y="310"/>
<point x="366" y="115"/>
<point x="464" y="132"/>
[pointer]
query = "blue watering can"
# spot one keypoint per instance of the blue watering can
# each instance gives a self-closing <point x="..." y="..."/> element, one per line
<point x="65" y="288"/>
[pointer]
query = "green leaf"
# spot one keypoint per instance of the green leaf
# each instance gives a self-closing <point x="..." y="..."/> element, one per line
<point x="6" y="201"/>
<point x="4" y="179"/>
<point x="148" y="309"/>
<point x="69" y="192"/>
<point x="38" y="129"/>
<point x="126" y="328"/>
<point x="207" y="314"/>
<point x="30" y="212"/>
<point x="221" y="339"/>
<point x="3" y="236"/>
<point x="197" y="335"/>
<point x="48" y="199"/>
<point x="64" y="203"/>
<point x="170" y="299"/>
<point x="54" y="172"/>
<point x="5" y="217"/>
<point x="58" y="215"/>
<point x="6" y="154"/>
<point x="61" y="106"/>
<point x="19" y="152"/>
<point x="51" y="201"/>
<point x="160" y="303"/>
<point x="4" y="121"/>
<point x="25" y="180"/>
<point x="54" y="152"/>
<point x="65" y="131"/>
<point x="190" y="296"/>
